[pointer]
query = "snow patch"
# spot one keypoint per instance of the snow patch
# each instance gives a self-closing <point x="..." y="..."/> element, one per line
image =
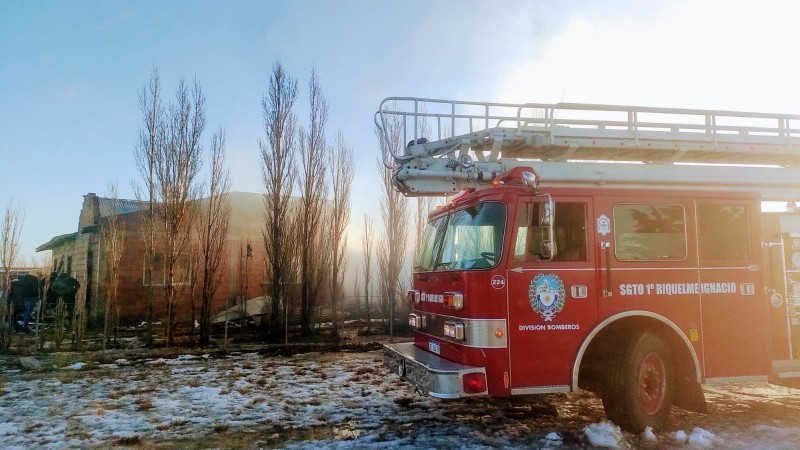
<point x="76" y="366"/>
<point x="702" y="438"/>
<point x="552" y="439"/>
<point x="604" y="434"/>
<point x="346" y="434"/>
<point x="648" y="435"/>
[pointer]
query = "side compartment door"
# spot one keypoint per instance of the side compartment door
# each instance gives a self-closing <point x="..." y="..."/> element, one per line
<point x="735" y="311"/>
<point x="551" y="290"/>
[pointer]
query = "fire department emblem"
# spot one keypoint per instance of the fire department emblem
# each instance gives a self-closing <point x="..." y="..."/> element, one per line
<point x="547" y="295"/>
<point x="603" y="225"/>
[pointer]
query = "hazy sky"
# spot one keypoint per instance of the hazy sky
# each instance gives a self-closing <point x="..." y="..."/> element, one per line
<point x="70" y="73"/>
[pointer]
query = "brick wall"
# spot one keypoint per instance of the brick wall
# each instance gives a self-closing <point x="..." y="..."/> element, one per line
<point x="247" y="218"/>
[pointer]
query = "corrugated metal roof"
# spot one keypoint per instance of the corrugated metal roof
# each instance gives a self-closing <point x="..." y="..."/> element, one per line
<point x="123" y="206"/>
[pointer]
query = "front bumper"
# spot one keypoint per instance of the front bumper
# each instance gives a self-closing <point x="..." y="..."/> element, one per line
<point x="429" y="373"/>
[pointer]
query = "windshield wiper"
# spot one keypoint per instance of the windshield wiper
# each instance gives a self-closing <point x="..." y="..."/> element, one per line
<point x="446" y="265"/>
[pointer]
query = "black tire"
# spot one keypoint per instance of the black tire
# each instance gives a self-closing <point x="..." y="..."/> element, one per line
<point x="639" y="384"/>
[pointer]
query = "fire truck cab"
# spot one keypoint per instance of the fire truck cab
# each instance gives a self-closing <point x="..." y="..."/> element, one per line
<point x="618" y="249"/>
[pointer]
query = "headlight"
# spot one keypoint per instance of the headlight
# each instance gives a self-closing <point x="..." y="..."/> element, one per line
<point x="454" y="330"/>
<point x="416" y="321"/>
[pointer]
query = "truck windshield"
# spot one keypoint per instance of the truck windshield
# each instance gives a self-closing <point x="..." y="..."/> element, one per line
<point x="469" y="238"/>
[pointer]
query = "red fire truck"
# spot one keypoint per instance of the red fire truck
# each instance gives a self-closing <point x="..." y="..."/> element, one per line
<point x="623" y="250"/>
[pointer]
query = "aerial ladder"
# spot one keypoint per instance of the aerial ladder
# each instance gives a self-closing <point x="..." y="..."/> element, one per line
<point x="441" y="147"/>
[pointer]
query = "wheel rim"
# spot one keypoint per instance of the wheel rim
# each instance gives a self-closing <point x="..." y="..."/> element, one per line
<point x="652" y="383"/>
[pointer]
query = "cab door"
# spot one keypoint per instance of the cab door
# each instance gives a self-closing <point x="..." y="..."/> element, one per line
<point x="551" y="290"/>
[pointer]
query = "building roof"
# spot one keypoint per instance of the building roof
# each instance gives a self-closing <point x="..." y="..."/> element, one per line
<point x="123" y="206"/>
<point x="58" y="241"/>
<point x="247" y="215"/>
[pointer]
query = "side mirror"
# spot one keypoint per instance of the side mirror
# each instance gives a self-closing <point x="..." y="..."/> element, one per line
<point x="547" y="213"/>
<point x="548" y="249"/>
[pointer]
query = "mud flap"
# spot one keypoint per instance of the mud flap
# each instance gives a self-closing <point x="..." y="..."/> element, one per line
<point x="689" y="395"/>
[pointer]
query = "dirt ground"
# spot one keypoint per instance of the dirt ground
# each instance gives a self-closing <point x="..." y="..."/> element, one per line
<point x="329" y="395"/>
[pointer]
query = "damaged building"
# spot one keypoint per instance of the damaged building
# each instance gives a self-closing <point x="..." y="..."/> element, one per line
<point x="82" y="255"/>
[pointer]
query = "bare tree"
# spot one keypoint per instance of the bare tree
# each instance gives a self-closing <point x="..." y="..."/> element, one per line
<point x="195" y="265"/>
<point x="356" y="290"/>
<point x="113" y="246"/>
<point x="424" y="204"/>
<point x="394" y="212"/>
<point x="177" y="167"/>
<point x="214" y="223"/>
<point x="366" y="244"/>
<point x="313" y="191"/>
<point x="342" y="173"/>
<point x="278" y="171"/>
<point x="13" y="219"/>
<point x="291" y="250"/>
<point x="151" y="138"/>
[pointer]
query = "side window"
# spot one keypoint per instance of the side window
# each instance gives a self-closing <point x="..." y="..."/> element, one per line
<point x="649" y="232"/>
<point x="570" y="233"/>
<point x="524" y="221"/>
<point x="723" y="233"/>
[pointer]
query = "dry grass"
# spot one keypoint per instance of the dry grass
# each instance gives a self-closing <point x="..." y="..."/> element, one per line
<point x="143" y="390"/>
<point x="128" y="441"/>
<point x="403" y="401"/>
<point x="29" y="428"/>
<point x="140" y="376"/>
<point x="245" y="390"/>
<point x="116" y="394"/>
<point x="173" y="424"/>
<point x="69" y="376"/>
<point x="144" y="403"/>
<point x="67" y="359"/>
<point x="365" y="370"/>
<point x="255" y="401"/>
<point x="54" y="409"/>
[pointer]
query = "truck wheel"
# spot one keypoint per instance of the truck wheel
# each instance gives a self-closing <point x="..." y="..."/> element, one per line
<point x="639" y="385"/>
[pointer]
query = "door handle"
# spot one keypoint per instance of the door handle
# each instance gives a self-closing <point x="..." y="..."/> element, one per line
<point x="606" y="247"/>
